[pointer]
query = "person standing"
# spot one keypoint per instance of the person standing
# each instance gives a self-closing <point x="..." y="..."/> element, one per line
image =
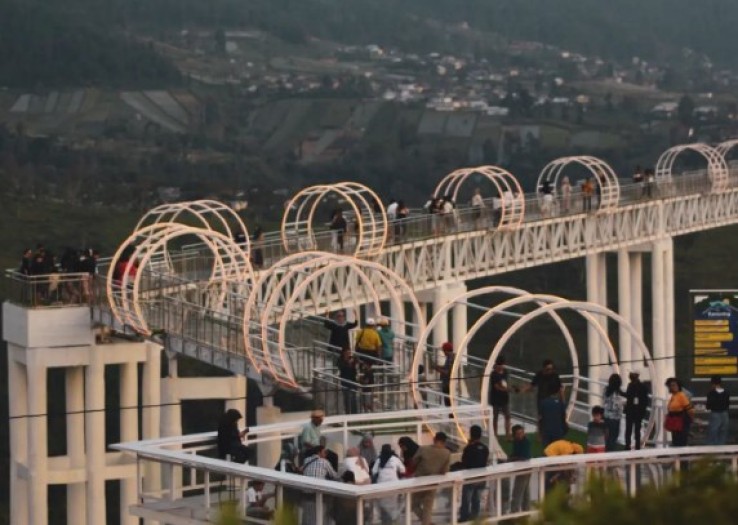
<point x="597" y="432"/>
<point x="310" y="435"/>
<point x="316" y="466"/>
<point x="520" y="452"/>
<point x="680" y="414"/>
<point x="718" y="403"/>
<point x="545" y="381"/>
<point x="444" y="372"/>
<point x="588" y="190"/>
<point x="386" y="469"/>
<point x="614" y="402"/>
<point x="408" y="448"/>
<point x="388" y="340"/>
<point x="499" y="396"/>
<point x="475" y="455"/>
<point x="565" y="195"/>
<point x="477" y="204"/>
<point x="339" y="330"/>
<point x="552" y="418"/>
<point x="636" y="402"/>
<point x="339" y="227"/>
<point x="638" y="180"/>
<point x="368" y="342"/>
<point x="348" y="371"/>
<point x="430" y="460"/>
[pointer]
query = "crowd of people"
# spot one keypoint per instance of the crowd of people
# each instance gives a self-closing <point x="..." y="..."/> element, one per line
<point x="43" y="270"/>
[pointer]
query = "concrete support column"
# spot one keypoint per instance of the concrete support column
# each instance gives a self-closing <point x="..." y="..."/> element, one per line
<point x="658" y="316"/>
<point x="128" y="432"/>
<point x="669" y="322"/>
<point x="18" y="410"/>
<point x="624" y="305"/>
<point x="75" y="399"/>
<point x="269" y="451"/>
<point x="597" y="356"/>
<point x="441" y="332"/>
<point x="636" y="297"/>
<point x="95" y="437"/>
<point x="151" y="413"/>
<point x="238" y="395"/>
<point x="38" y="453"/>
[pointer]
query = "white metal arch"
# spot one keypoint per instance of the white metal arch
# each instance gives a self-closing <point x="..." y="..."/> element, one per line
<point x="210" y="214"/>
<point x="231" y="272"/>
<point x="359" y="281"/>
<point x="582" y="308"/>
<point x="509" y="191"/>
<point x="717" y="167"/>
<point x="520" y="297"/>
<point x="603" y="174"/>
<point x="299" y="216"/>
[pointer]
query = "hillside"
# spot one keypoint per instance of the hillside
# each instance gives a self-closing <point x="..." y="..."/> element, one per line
<point x="45" y="45"/>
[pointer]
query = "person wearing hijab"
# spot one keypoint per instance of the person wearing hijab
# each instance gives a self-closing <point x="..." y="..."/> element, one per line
<point x="388" y="467"/>
<point x="367" y="450"/>
<point x="230" y="437"/>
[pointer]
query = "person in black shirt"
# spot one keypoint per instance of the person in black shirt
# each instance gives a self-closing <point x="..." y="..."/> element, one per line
<point x="347" y="371"/>
<point x="229" y="437"/>
<point x="636" y="403"/>
<point x="718" y="403"/>
<point x="475" y="455"/>
<point x="545" y="382"/>
<point x="339" y="338"/>
<point x="499" y="396"/>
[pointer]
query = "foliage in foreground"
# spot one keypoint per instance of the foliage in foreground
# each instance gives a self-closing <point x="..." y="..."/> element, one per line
<point x="706" y="493"/>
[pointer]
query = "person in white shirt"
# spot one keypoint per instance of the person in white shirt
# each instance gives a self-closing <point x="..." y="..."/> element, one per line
<point x="388" y="467"/>
<point x="477" y="203"/>
<point x="256" y="500"/>
<point x="356" y="464"/>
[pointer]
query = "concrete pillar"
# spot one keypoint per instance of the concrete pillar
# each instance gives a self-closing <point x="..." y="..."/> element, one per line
<point x="269" y="451"/>
<point x="37" y="442"/>
<point x="624" y="305"/>
<point x="669" y="322"/>
<point x="151" y="413"/>
<point x="636" y="299"/>
<point x="75" y="399"/>
<point x="658" y="316"/>
<point x="18" y="410"/>
<point x="238" y="395"/>
<point x="597" y="357"/>
<point x="95" y="437"/>
<point x="128" y="432"/>
<point x="441" y="332"/>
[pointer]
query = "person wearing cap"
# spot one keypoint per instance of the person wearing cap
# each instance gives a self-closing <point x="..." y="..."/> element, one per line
<point x="429" y="460"/>
<point x="444" y="371"/>
<point x="310" y="435"/>
<point x="368" y="341"/>
<point x="718" y="403"/>
<point x="388" y="339"/>
<point x="636" y="403"/>
<point x="230" y="437"/>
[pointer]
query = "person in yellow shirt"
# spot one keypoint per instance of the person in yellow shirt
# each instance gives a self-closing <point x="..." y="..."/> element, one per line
<point x="565" y="478"/>
<point x="368" y="341"/>
<point x="680" y="413"/>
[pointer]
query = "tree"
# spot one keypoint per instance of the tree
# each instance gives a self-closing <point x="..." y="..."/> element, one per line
<point x="713" y="486"/>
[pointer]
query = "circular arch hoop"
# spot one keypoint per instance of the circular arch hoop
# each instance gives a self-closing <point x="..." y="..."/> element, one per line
<point x="212" y="215"/>
<point x="598" y="168"/>
<point x="299" y="215"/>
<point x="519" y="297"/>
<point x="356" y="274"/>
<point x="725" y="148"/>
<point x="717" y="167"/>
<point x="581" y="308"/>
<point x="231" y="270"/>
<point x="512" y="211"/>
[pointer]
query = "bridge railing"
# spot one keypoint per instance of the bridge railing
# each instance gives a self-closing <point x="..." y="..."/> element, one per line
<point x="53" y="290"/>
<point x="196" y="483"/>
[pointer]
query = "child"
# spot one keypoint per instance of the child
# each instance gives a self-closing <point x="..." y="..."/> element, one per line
<point x="597" y="431"/>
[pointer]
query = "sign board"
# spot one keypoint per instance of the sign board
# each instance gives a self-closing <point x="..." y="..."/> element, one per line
<point x="715" y="332"/>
